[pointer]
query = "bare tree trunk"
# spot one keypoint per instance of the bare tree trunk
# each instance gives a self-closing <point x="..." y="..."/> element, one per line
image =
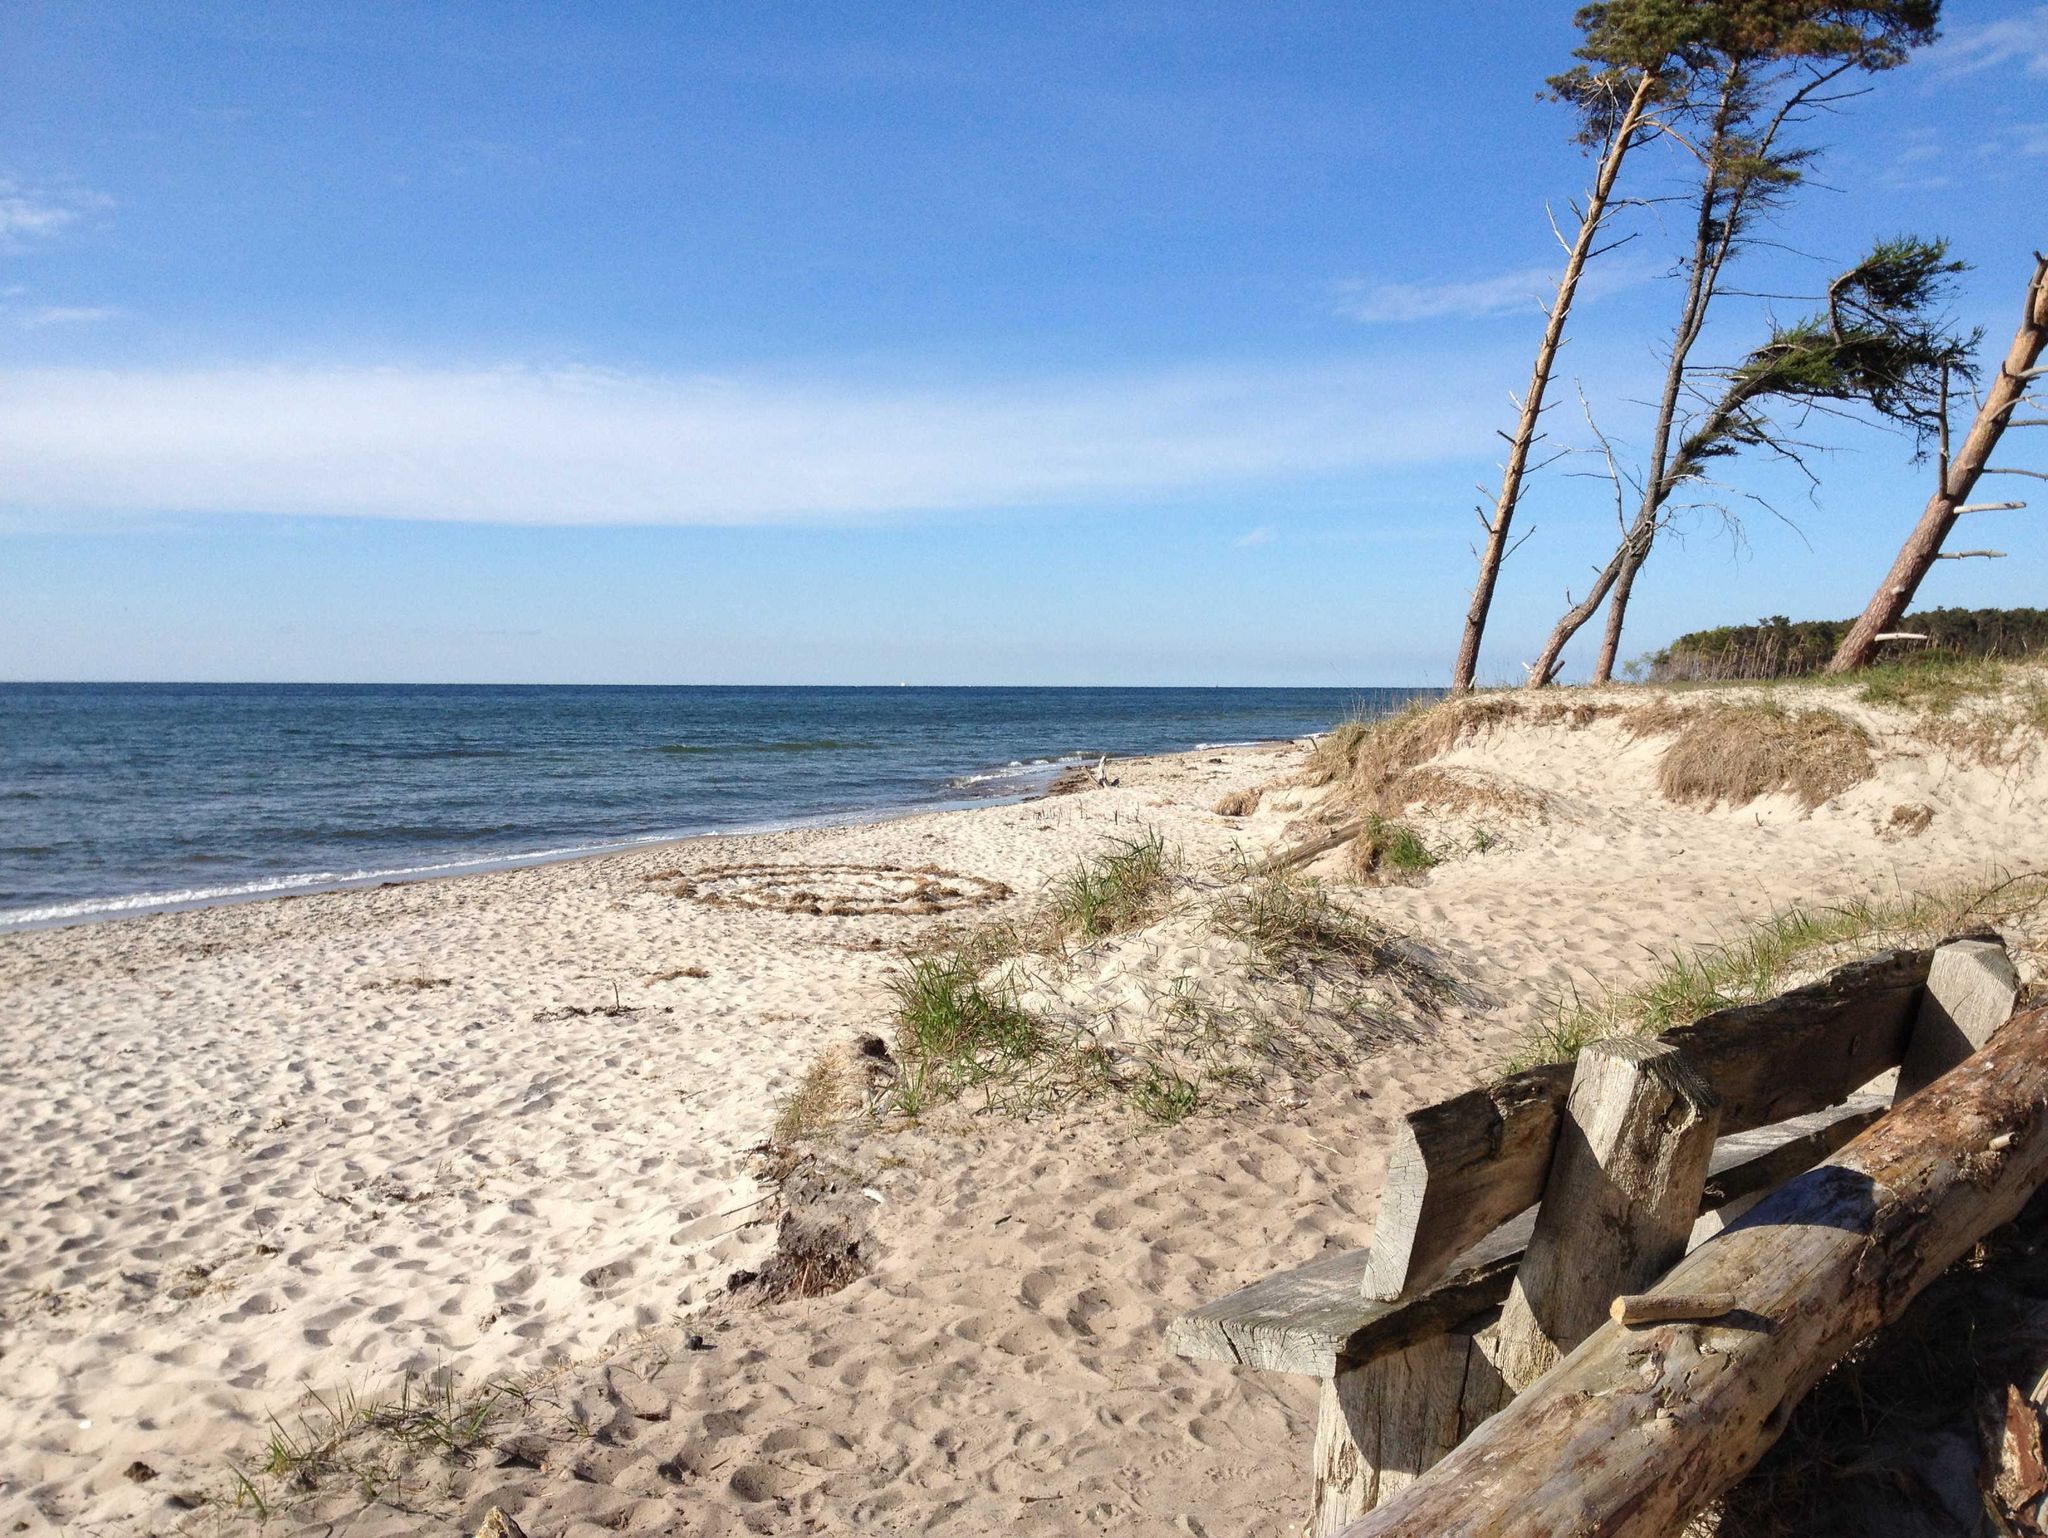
<point x="1610" y="643"/>
<point x="1524" y="437"/>
<point x="1957" y="477"/>
<point x="1544" y="669"/>
<point x="1711" y="242"/>
<point x="1717" y="228"/>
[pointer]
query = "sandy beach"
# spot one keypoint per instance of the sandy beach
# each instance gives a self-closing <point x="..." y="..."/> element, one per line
<point x="508" y="1129"/>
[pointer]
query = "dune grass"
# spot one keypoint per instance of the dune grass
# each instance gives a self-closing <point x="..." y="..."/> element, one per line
<point x="823" y="1098"/>
<point x="1934" y="681"/>
<point x="1364" y="758"/>
<point x="1119" y="888"/>
<point x="1730" y="752"/>
<point x="955" y="1033"/>
<point x="1390" y="850"/>
<point x="346" y="1437"/>
<point x="1292" y="927"/>
<point x="1767" y="959"/>
<point x="1287" y="921"/>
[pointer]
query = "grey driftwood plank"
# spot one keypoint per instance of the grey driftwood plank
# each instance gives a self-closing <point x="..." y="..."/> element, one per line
<point x="1811" y="1048"/>
<point x="1625" y="1186"/>
<point x="1459" y="1169"/>
<point x="1309" y="1319"/>
<point x="1971" y="990"/>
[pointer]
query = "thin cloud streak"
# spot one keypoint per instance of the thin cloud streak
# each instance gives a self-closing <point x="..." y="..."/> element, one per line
<point x="29" y="214"/>
<point x="2019" y="39"/>
<point x="530" y="447"/>
<point x="1521" y="290"/>
<point x="66" y="315"/>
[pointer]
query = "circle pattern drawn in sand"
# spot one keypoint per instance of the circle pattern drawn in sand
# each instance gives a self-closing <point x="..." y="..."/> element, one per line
<point x="841" y="890"/>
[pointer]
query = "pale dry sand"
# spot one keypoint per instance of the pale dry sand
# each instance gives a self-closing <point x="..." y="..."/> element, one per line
<point x="244" y="1154"/>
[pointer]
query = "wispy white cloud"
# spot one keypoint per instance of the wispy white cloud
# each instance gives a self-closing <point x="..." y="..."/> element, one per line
<point x="29" y="214"/>
<point x="532" y="447"/>
<point x="1262" y="535"/>
<point x="1523" y="289"/>
<point x="2029" y="141"/>
<point x="65" y="315"/>
<point x="2021" y="40"/>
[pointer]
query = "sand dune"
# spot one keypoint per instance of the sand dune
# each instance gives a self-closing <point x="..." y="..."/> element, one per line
<point x="497" y="1126"/>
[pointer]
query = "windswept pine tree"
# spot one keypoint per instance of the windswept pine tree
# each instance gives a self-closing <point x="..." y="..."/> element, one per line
<point x="1636" y="59"/>
<point x="1956" y="476"/>
<point x="1753" y="69"/>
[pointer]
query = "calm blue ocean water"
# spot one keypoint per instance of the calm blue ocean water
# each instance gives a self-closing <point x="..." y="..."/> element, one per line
<point x="118" y="797"/>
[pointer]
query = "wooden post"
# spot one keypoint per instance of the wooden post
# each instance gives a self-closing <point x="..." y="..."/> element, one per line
<point x="1971" y="989"/>
<point x="1382" y="1423"/>
<point x="1639" y="1428"/>
<point x="1457" y="1171"/>
<point x="1624" y="1188"/>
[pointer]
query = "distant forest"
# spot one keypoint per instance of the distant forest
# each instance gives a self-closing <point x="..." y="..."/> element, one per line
<point x="1779" y="647"/>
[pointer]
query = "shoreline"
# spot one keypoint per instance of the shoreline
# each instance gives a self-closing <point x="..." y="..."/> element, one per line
<point x="1048" y="774"/>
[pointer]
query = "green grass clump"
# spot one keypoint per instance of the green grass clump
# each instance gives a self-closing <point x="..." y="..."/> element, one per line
<point x="1161" y="1095"/>
<point x="2009" y="714"/>
<point x="1934" y="682"/>
<point x="1757" y="965"/>
<point x="1401" y="847"/>
<point x="364" y="1441"/>
<point x="954" y="1033"/>
<point x="1388" y="849"/>
<point x="1118" y="889"/>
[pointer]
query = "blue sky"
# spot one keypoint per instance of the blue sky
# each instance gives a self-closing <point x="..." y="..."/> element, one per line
<point x="825" y="343"/>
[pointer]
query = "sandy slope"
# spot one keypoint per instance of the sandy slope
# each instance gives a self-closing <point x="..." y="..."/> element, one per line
<point x="241" y="1155"/>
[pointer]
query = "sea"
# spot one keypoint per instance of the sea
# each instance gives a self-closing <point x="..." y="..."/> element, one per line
<point x="122" y="798"/>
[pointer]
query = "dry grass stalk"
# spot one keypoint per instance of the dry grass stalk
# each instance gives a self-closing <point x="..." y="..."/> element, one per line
<point x="1238" y="803"/>
<point x="1462" y="791"/>
<point x="1910" y="819"/>
<point x="1291" y="924"/>
<point x="1731" y="753"/>
<point x="823" y="1097"/>
<point x="1363" y="758"/>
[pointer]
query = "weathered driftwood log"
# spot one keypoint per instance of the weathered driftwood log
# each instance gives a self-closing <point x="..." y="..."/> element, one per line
<point x="1971" y="989"/>
<point x="1301" y="854"/>
<point x="1809" y="1048"/>
<point x="1637" y="1429"/>
<point x="1624" y="1190"/>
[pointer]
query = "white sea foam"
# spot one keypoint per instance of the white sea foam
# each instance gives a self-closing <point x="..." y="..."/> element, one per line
<point x="1016" y="770"/>
<point x="303" y="881"/>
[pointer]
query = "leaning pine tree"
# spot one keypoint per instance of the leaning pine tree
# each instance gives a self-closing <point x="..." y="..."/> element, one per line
<point x="1770" y="62"/>
<point x="1956" y="475"/>
<point x="1635" y="58"/>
